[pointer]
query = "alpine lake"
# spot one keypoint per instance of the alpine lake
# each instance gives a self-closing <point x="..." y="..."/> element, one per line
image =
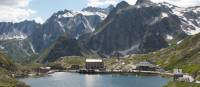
<point x="67" y="79"/>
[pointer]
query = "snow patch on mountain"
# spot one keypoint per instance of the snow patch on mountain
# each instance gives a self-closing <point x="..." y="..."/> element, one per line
<point x="167" y="4"/>
<point x="85" y="13"/>
<point x="68" y="14"/>
<point x="32" y="48"/>
<point x="10" y="36"/>
<point x="169" y="37"/>
<point x="179" y="41"/>
<point x="62" y="26"/>
<point x="1" y="47"/>
<point x="155" y="20"/>
<point x="191" y="31"/>
<point x="190" y="17"/>
<point x="188" y="25"/>
<point x="125" y="52"/>
<point x="164" y="15"/>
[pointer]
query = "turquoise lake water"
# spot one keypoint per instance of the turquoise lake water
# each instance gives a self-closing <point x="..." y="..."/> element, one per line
<point x="65" y="79"/>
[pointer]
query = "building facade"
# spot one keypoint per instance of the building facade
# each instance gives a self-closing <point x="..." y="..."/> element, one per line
<point x="94" y="64"/>
<point x="145" y="66"/>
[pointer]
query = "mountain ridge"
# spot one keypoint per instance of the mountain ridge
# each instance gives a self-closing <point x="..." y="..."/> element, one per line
<point x="30" y="38"/>
<point x="127" y="29"/>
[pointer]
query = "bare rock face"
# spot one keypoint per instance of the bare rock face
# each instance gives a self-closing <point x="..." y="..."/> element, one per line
<point x="143" y="1"/>
<point x="125" y="29"/>
<point x="136" y="29"/>
<point x="28" y="38"/>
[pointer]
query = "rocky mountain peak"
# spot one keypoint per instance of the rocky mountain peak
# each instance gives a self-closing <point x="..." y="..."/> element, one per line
<point x="110" y="7"/>
<point x="122" y="5"/>
<point x="143" y="2"/>
<point x="100" y="10"/>
<point x="63" y="12"/>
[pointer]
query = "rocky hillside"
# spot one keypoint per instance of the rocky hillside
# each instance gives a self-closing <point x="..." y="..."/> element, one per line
<point x="15" y="38"/>
<point x="62" y="47"/>
<point x="185" y="55"/>
<point x="144" y="27"/>
<point x="7" y="67"/>
<point x="141" y="28"/>
<point x="25" y="39"/>
<point x="126" y="29"/>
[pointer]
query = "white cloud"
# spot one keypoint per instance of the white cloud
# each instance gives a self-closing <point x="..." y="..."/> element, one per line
<point x="14" y="3"/>
<point x="15" y="10"/>
<point x="96" y="3"/>
<point x="9" y="14"/>
<point x="184" y="3"/>
<point x="39" y="20"/>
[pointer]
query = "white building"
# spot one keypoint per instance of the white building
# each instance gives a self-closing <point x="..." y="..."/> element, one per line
<point x="93" y="64"/>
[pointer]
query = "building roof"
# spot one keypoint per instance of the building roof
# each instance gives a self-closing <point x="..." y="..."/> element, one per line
<point x="145" y="64"/>
<point x="45" y="67"/>
<point x="94" y="60"/>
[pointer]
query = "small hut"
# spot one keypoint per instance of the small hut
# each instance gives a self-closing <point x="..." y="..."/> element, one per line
<point x="177" y="74"/>
<point x="145" y="66"/>
<point x="44" y="69"/>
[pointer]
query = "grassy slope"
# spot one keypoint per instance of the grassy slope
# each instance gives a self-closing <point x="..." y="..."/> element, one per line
<point x="67" y="61"/>
<point x="6" y="63"/>
<point x="6" y="68"/>
<point x="185" y="55"/>
<point x="6" y="80"/>
<point x="15" y="51"/>
<point x="182" y="84"/>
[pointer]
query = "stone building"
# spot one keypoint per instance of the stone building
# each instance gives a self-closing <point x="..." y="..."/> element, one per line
<point x="94" y="64"/>
<point x="145" y="66"/>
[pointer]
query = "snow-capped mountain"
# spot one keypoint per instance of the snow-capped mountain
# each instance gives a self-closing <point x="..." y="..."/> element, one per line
<point x="144" y="27"/>
<point x="15" y="38"/>
<point x="190" y="17"/>
<point x="13" y="35"/>
<point x="102" y="12"/>
<point x="28" y="38"/>
<point x="141" y="28"/>
<point x="126" y="29"/>
<point x="20" y="30"/>
<point x="73" y="23"/>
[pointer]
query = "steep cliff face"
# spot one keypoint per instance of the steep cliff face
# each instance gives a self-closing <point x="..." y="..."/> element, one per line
<point x="142" y="28"/>
<point x="16" y="38"/>
<point x="25" y="39"/>
<point x="66" y="46"/>
<point x="75" y="23"/>
<point x="125" y="29"/>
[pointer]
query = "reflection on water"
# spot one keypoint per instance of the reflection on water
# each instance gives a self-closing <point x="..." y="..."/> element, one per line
<point x="64" y="79"/>
<point x="89" y="81"/>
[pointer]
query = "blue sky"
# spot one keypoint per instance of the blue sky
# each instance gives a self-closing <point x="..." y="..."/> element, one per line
<point x="46" y="8"/>
<point x="40" y="10"/>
